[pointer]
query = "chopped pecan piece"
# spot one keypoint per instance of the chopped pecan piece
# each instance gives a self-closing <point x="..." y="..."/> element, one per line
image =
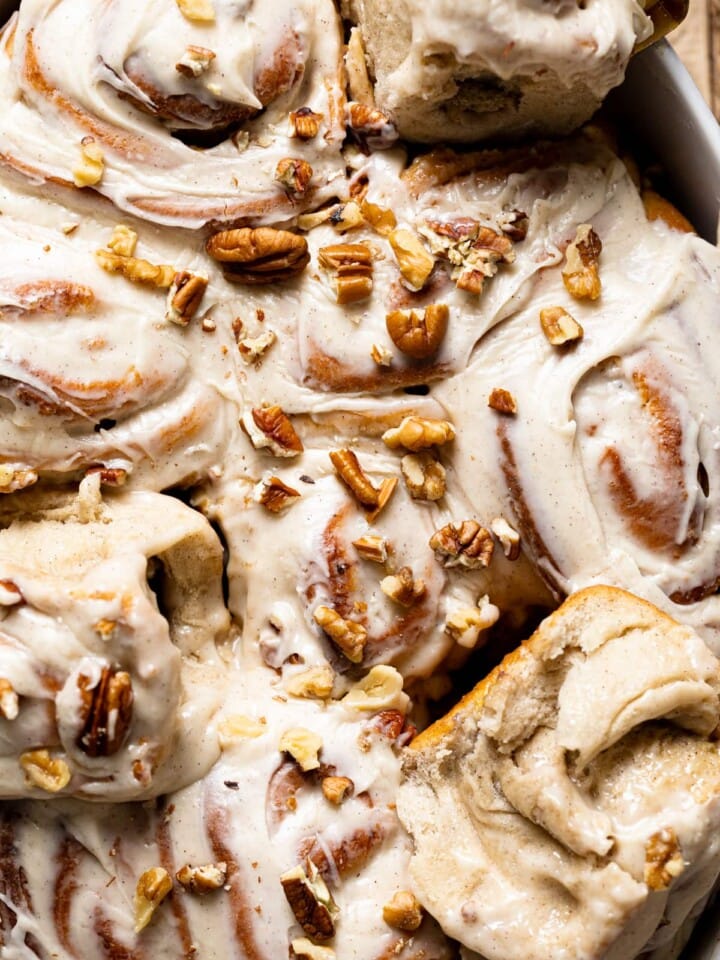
<point x="159" y="275"/>
<point x="466" y="624"/>
<point x="503" y="401"/>
<point x="475" y="252"/>
<point x="304" y="123"/>
<point x="253" y="349"/>
<point x="185" y="296"/>
<point x="42" y="770"/>
<point x="381" y="689"/>
<point x="346" y="216"/>
<point x="315" y="683"/>
<point x="381" y="355"/>
<point x="348" y="636"/>
<point x="204" y="879"/>
<point x="270" y="427"/>
<point x="403" y="588"/>
<point x="9" y="702"/>
<point x="508" y="536"/>
<point x="294" y="176"/>
<point x="580" y="272"/>
<point x="152" y="888"/>
<point x="276" y="496"/>
<point x="372" y="548"/>
<point x="514" y="224"/>
<point x="371" y="126"/>
<point x="352" y="266"/>
<point x="91" y="166"/>
<point x="310" y="901"/>
<point x="559" y="326"/>
<point x="463" y="544"/>
<point x="195" y="61"/>
<point x="259" y="256"/>
<point x="403" y="912"/>
<point x="663" y="859"/>
<point x="418" y="336"/>
<point x="123" y="240"/>
<point x="415" y="261"/>
<point x="337" y="789"/>
<point x="424" y="476"/>
<point x="381" y="219"/>
<point x="419" y="433"/>
<point x="107" y="712"/>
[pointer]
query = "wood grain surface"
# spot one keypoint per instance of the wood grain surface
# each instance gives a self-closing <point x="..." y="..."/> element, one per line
<point x="697" y="41"/>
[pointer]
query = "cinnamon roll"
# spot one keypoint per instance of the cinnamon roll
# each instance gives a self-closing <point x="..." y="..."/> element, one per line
<point x="178" y="112"/>
<point x="109" y="674"/>
<point x="569" y="804"/>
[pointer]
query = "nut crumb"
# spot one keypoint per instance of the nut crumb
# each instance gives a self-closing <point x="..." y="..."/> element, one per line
<point x="503" y="401"/>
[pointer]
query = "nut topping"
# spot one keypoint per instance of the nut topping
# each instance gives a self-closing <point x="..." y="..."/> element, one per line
<point x="415" y="262"/>
<point x="107" y="712"/>
<point x="91" y="166"/>
<point x="138" y="271"/>
<point x="123" y="240"/>
<point x="42" y="770"/>
<point x="424" y="476"/>
<point x="359" y="84"/>
<point x="559" y="326"/>
<point x="509" y="537"/>
<point x="663" y="859"/>
<point x="276" y="496"/>
<point x="253" y="349"/>
<point x="381" y="689"/>
<point x="419" y="433"/>
<point x="199" y="11"/>
<point x="474" y="251"/>
<point x="294" y="176"/>
<point x="403" y="912"/>
<point x="352" y="265"/>
<point x="466" y="624"/>
<point x="238" y="727"/>
<point x="303" y="746"/>
<point x="403" y="588"/>
<point x="418" y="336"/>
<point x="184" y="297"/>
<point x="304" y="123"/>
<point x="580" y="272"/>
<point x="9" y="701"/>
<point x="514" y="224"/>
<point x="195" y="61"/>
<point x="464" y="544"/>
<point x="372" y="548"/>
<point x="381" y="355"/>
<point x="259" y="256"/>
<point x="337" y="789"/>
<point x="381" y="219"/>
<point x="270" y="427"/>
<point x="348" y="636"/>
<point x="304" y="949"/>
<point x="152" y="888"/>
<point x="347" y="467"/>
<point x="315" y="683"/>
<point x="370" y="125"/>
<point x="12" y="479"/>
<point x="503" y="401"/>
<point x="310" y="901"/>
<point x="204" y="879"/>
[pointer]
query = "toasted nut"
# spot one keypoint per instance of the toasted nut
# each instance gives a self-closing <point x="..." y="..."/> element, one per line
<point x="123" y="241"/>
<point x="199" y="11"/>
<point x="347" y="635"/>
<point x="372" y="548"/>
<point x="464" y="544"/>
<point x="371" y="126"/>
<point x="559" y="327"/>
<point x="337" y="789"/>
<point x="204" y="879"/>
<point x="12" y="479"/>
<point x="509" y="537"/>
<point x="195" y="61"/>
<point x="294" y="176"/>
<point x="418" y="336"/>
<point x="270" y="428"/>
<point x="474" y="251"/>
<point x="185" y="296"/>
<point x="315" y="683"/>
<point x="415" y="262"/>
<point x="352" y="264"/>
<point x="310" y="901"/>
<point x="91" y="166"/>
<point x="42" y="770"/>
<point x="9" y="702"/>
<point x="381" y="689"/>
<point x="138" y="271"/>
<point x="387" y="489"/>
<point x="304" y="949"/>
<point x="152" y="888"/>
<point x="347" y="467"/>
<point x="259" y="256"/>
<point x="304" y="123"/>
<point x="276" y="496"/>
<point x="466" y="624"/>
<point x="359" y="84"/>
<point x="580" y="272"/>
<point x="403" y="912"/>
<point x="419" y="433"/>
<point x="302" y="745"/>
<point x="253" y="349"/>
<point x="238" y="727"/>
<point x="663" y="859"/>
<point x="403" y="588"/>
<point x="381" y="219"/>
<point x="424" y="476"/>
<point x="503" y="401"/>
<point x="381" y="355"/>
<point x="346" y="216"/>
<point x="514" y="224"/>
<point x="106" y="712"/>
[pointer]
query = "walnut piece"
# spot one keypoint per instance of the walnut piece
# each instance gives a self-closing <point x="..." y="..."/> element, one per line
<point x="467" y="623"/>
<point x="123" y="240"/>
<point x="12" y="479"/>
<point x="352" y="266"/>
<point x="503" y="401"/>
<point x="276" y="496"/>
<point x="418" y="336"/>
<point x="42" y="770"/>
<point x="203" y="879"/>
<point x="9" y="701"/>
<point x="303" y="746"/>
<point x="381" y="219"/>
<point x="195" y="61"/>
<point x="315" y="683"/>
<point x="424" y="476"/>
<point x="381" y="689"/>
<point x="508" y="536"/>
<point x="259" y="256"/>
<point x="419" y="433"/>
<point x="559" y="326"/>
<point x="463" y="544"/>
<point x="415" y="261"/>
<point x="159" y="275"/>
<point x="294" y="176"/>
<point x="310" y="901"/>
<point x="663" y="859"/>
<point x="152" y="888"/>
<point x="106" y="712"/>
<point x="346" y="216"/>
<point x="270" y="428"/>
<point x="403" y="588"/>
<point x="337" y="789"/>
<point x="304" y="123"/>
<point x="198" y="11"/>
<point x="403" y="911"/>
<point x="253" y="349"/>
<point x="348" y="636"/>
<point x="91" y="166"/>
<point x="238" y="727"/>
<point x="372" y="548"/>
<point x="185" y="296"/>
<point x="580" y="272"/>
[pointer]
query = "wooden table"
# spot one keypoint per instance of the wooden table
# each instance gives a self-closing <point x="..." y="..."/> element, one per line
<point x="697" y="41"/>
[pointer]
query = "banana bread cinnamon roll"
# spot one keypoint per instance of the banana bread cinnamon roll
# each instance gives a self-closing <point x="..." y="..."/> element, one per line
<point x="569" y="804"/>
<point x="178" y="112"/>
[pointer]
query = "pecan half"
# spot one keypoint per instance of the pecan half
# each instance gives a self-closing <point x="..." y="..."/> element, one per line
<point x="418" y="336"/>
<point x="580" y="272"/>
<point x="352" y="267"/>
<point x="107" y="712"/>
<point x="310" y="901"/>
<point x="463" y="544"/>
<point x="259" y="256"/>
<point x="185" y="296"/>
<point x="354" y="477"/>
<point x="270" y="427"/>
<point x="347" y="635"/>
